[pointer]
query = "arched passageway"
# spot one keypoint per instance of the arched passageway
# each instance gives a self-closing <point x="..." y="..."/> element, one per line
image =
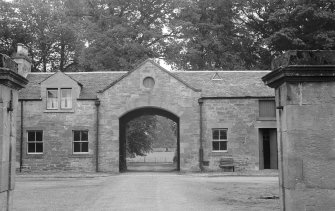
<point x="145" y="111"/>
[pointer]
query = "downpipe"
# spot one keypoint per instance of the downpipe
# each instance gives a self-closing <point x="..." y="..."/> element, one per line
<point x="201" y="150"/>
<point x="97" y="105"/>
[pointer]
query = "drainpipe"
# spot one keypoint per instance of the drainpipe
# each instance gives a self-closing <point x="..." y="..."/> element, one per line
<point x="21" y="141"/>
<point x="201" y="150"/>
<point x="280" y="140"/>
<point x="10" y="110"/>
<point x="97" y="104"/>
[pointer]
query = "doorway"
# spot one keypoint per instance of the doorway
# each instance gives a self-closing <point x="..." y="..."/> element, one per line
<point x="146" y="141"/>
<point x="268" y="148"/>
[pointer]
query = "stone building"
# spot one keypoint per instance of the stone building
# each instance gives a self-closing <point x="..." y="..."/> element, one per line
<point x="76" y="120"/>
<point x="10" y="82"/>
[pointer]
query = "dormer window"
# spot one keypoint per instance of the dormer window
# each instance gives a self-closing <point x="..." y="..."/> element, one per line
<point x="52" y="98"/>
<point x="55" y="102"/>
<point x="66" y="99"/>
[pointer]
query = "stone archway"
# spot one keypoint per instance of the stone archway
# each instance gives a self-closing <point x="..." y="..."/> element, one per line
<point x="124" y="119"/>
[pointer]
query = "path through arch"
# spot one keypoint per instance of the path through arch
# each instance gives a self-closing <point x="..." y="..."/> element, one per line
<point x="126" y="118"/>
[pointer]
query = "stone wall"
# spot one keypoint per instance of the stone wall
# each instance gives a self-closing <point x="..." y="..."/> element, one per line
<point x="241" y="118"/>
<point x="168" y="93"/>
<point x="7" y="140"/>
<point x="57" y="136"/>
<point x="308" y="155"/>
<point x="10" y="83"/>
<point x="305" y="95"/>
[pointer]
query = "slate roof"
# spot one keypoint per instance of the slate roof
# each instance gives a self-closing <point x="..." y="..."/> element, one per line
<point x="233" y="83"/>
<point x="91" y="82"/>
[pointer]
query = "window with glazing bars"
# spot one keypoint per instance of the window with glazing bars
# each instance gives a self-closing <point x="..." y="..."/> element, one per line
<point x="35" y="142"/>
<point x="80" y="141"/>
<point x="219" y="139"/>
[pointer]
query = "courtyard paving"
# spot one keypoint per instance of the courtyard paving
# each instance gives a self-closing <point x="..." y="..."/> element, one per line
<point x="146" y="191"/>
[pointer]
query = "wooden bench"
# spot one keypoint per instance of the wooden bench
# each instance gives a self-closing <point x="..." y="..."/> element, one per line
<point x="227" y="162"/>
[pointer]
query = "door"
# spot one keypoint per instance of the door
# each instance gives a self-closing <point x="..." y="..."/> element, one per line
<point x="266" y="149"/>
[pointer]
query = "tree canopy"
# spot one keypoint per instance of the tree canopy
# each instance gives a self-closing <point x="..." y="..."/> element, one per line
<point x="115" y="35"/>
<point x="282" y="25"/>
<point x="150" y="131"/>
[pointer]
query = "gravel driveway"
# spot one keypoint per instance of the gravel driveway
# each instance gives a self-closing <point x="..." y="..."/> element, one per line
<point x="147" y="191"/>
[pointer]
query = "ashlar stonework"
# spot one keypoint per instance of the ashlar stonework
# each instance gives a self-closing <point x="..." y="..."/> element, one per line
<point x="231" y="102"/>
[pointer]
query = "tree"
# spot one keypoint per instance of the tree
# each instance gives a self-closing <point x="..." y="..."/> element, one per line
<point x="148" y="131"/>
<point x="189" y="34"/>
<point x="66" y="45"/>
<point x="12" y="31"/>
<point x="54" y="40"/>
<point x="119" y="34"/>
<point x="212" y="37"/>
<point x="140" y="135"/>
<point x="165" y="133"/>
<point x="44" y="27"/>
<point x="280" y="25"/>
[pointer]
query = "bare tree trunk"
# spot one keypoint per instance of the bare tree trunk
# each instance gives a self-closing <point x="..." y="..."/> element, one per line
<point x="62" y="56"/>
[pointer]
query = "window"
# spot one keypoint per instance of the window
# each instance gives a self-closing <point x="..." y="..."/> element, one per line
<point x="80" y="141"/>
<point x="267" y="108"/>
<point x="53" y="100"/>
<point x="219" y="141"/>
<point x="66" y="98"/>
<point x="35" y="142"/>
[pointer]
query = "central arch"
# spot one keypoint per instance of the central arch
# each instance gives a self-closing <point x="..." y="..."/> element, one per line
<point x="124" y="119"/>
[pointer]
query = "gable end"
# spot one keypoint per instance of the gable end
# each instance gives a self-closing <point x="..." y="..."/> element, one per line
<point x="81" y="85"/>
<point x="158" y="66"/>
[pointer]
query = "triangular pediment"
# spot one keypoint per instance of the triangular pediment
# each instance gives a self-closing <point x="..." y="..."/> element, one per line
<point x="146" y="63"/>
<point x="58" y="76"/>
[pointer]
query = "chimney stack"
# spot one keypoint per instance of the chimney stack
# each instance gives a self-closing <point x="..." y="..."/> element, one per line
<point x="22" y="59"/>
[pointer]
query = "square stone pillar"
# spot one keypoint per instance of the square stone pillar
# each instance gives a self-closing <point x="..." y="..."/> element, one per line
<point x="304" y="82"/>
<point x="10" y="83"/>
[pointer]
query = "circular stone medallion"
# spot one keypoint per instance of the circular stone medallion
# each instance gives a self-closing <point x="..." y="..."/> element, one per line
<point x="148" y="82"/>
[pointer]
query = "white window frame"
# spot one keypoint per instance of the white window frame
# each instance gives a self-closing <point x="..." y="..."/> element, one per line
<point x="29" y="142"/>
<point x="55" y="89"/>
<point x="59" y="99"/>
<point x="73" y="142"/>
<point x="220" y="140"/>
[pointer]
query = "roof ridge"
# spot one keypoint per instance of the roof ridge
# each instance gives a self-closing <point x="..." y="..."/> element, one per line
<point x="70" y="73"/>
<point x="219" y="71"/>
<point x="112" y="72"/>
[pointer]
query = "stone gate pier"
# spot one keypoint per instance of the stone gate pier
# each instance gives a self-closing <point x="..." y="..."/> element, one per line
<point x="10" y="82"/>
<point x="304" y="82"/>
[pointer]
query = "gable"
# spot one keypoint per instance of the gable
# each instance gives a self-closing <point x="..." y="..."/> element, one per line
<point x="147" y="68"/>
<point x="56" y="78"/>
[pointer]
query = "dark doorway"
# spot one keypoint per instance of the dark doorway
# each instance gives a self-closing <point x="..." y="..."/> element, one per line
<point x="132" y="159"/>
<point x="268" y="149"/>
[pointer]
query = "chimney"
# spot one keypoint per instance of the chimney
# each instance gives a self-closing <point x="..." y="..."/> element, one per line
<point x="22" y="59"/>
